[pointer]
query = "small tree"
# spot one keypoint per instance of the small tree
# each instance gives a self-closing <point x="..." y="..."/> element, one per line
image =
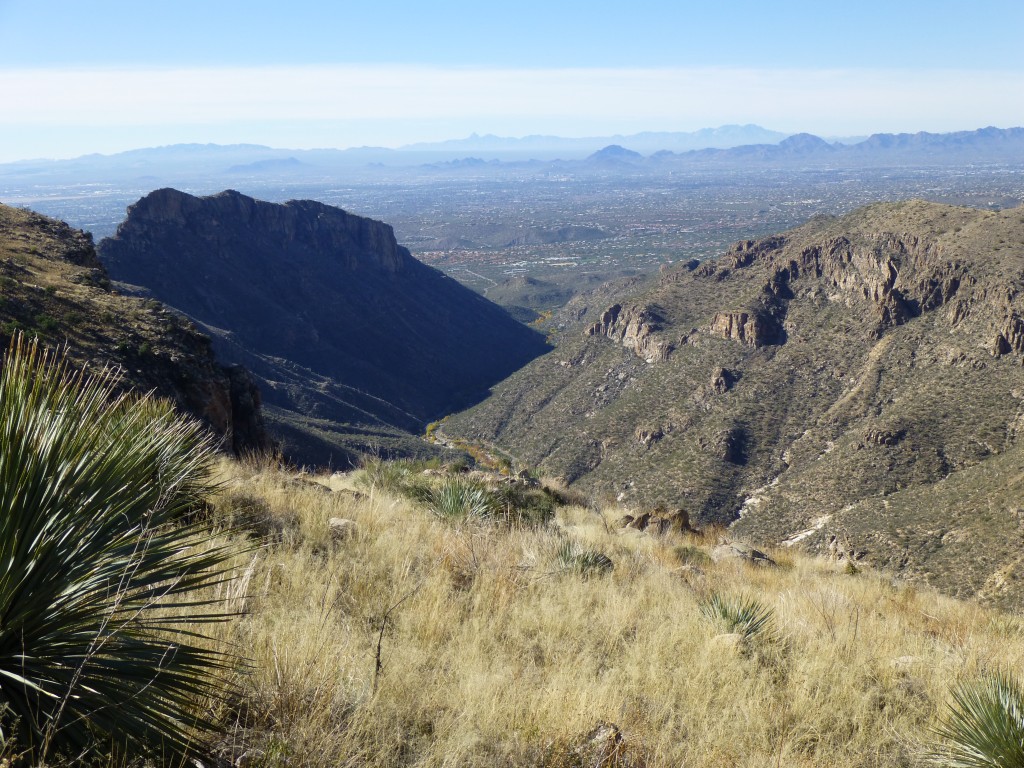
<point x="93" y="546"/>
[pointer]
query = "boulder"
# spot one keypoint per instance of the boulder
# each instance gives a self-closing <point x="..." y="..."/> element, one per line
<point x="730" y="643"/>
<point x="342" y="528"/>
<point x="722" y="380"/>
<point x="733" y="550"/>
<point x="604" y="746"/>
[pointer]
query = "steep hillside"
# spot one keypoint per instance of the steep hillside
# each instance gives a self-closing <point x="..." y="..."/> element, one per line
<point x="853" y="384"/>
<point x="407" y="633"/>
<point x="357" y="344"/>
<point x="54" y="287"/>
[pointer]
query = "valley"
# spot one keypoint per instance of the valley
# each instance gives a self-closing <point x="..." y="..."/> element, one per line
<point x="547" y="385"/>
<point x="757" y="336"/>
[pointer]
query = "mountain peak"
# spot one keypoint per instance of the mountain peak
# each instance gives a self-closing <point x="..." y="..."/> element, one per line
<point x="805" y="142"/>
<point x="615" y="152"/>
<point x="298" y="225"/>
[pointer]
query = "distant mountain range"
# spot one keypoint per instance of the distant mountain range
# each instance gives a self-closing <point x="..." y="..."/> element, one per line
<point x="651" y="153"/>
<point x="550" y="147"/>
<point x="983" y="145"/>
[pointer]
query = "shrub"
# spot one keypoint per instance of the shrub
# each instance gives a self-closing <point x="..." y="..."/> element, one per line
<point x="985" y="725"/>
<point x="93" y="546"/>
<point x="459" y="464"/>
<point x="382" y="475"/>
<point x="521" y="504"/>
<point x="46" y="323"/>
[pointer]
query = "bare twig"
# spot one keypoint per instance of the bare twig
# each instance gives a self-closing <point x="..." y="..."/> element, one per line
<point x="378" y="667"/>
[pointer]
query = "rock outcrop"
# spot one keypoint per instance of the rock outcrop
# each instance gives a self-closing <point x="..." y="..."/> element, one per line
<point x="635" y="328"/>
<point x="898" y="276"/>
<point x="745" y="327"/>
<point x="722" y="380"/>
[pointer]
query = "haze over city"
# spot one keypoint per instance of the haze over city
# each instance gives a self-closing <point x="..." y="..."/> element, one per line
<point x="79" y="78"/>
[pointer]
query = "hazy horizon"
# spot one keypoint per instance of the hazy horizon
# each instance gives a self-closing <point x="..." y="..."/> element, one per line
<point x="429" y="144"/>
<point x="82" y="78"/>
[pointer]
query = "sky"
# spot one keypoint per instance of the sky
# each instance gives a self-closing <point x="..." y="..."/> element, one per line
<point x="104" y="76"/>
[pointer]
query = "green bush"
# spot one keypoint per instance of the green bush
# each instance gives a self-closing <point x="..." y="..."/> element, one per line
<point x="382" y="475"/>
<point x="524" y="505"/>
<point x="46" y="323"/>
<point x="985" y="725"/>
<point x="94" y="544"/>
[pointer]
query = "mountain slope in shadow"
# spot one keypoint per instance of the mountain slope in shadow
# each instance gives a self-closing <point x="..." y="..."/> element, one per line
<point x="357" y="345"/>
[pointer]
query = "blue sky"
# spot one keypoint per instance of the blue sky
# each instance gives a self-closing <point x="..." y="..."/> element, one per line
<point x="107" y="75"/>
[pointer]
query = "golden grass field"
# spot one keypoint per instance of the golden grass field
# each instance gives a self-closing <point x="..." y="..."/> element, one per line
<point x="493" y="653"/>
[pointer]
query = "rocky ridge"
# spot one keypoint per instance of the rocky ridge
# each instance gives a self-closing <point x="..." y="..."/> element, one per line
<point x="856" y="379"/>
<point x="55" y="287"/>
<point x="356" y="344"/>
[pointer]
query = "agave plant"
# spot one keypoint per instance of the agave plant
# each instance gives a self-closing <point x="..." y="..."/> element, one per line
<point x="985" y="725"/>
<point x="94" y="544"/>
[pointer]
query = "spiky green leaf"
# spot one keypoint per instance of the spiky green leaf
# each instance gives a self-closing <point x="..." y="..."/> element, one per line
<point x="94" y="488"/>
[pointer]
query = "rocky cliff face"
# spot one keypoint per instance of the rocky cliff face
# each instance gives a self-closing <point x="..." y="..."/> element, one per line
<point x="745" y="327"/>
<point x="356" y="344"/>
<point x="866" y="386"/>
<point x="55" y="287"/>
<point x="634" y="328"/>
<point x="297" y="228"/>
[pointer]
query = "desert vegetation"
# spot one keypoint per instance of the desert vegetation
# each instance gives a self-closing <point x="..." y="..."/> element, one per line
<point x="105" y="570"/>
<point x="382" y="632"/>
<point x="427" y="615"/>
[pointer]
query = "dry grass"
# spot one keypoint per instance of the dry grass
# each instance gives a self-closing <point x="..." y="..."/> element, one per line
<point x="494" y="653"/>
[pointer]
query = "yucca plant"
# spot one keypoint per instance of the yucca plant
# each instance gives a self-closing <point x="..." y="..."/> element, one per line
<point x="985" y="725"/>
<point x="745" y="616"/>
<point x="573" y="556"/>
<point x="456" y="499"/>
<point x="94" y="544"/>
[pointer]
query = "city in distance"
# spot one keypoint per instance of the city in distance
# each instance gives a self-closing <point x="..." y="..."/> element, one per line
<point x="564" y="213"/>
